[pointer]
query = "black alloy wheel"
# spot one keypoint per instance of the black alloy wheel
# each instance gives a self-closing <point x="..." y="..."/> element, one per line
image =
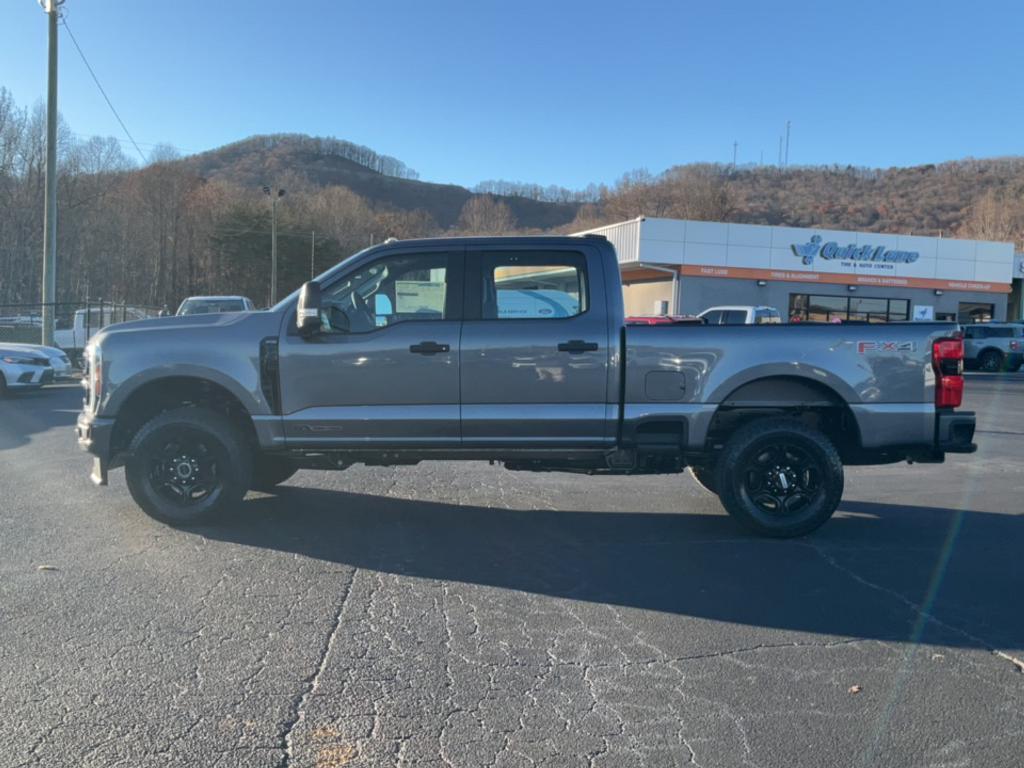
<point x="779" y="477"/>
<point x="187" y="465"/>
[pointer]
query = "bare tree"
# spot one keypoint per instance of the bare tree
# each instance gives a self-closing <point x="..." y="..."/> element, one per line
<point x="996" y="215"/>
<point x="484" y="215"/>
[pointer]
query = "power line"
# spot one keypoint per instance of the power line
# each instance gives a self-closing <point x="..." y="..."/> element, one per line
<point x="141" y="143"/>
<point x="103" y="92"/>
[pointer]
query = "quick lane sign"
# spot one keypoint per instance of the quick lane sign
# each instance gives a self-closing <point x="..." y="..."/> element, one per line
<point x="852" y="253"/>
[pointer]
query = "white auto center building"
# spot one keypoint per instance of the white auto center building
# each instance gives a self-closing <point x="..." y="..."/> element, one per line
<point x="671" y="266"/>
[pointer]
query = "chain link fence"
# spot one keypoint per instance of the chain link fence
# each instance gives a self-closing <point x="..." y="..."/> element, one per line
<point x="76" y="322"/>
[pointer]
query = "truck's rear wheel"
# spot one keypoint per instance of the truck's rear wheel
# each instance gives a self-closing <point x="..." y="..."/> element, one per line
<point x="270" y="471"/>
<point x="779" y="477"/>
<point x="188" y="465"/>
<point x="704" y="477"/>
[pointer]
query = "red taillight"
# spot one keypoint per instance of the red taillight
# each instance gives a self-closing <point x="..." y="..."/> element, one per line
<point x="949" y="392"/>
<point x="1015" y="346"/>
<point x="948" y="362"/>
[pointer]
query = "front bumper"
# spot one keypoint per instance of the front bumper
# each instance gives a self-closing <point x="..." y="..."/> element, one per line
<point x="954" y="432"/>
<point x="94" y="435"/>
<point x="26" y="376"/>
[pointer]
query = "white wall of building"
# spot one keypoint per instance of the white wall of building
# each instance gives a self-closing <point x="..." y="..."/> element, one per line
<point x="739" y="249"/>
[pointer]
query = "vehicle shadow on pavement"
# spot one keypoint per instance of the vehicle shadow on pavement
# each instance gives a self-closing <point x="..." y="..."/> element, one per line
<point x="867" y="574"/>
<point x="23" y="414"/>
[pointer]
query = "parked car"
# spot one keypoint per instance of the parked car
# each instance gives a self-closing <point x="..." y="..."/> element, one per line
<point x="58" y="359"/>
<point x="402" y="354"/>
<point x="22" y="369"/>
<point x="201" y="305"/>
<point x="664" y="320"/>
<point x="994" y="346"/>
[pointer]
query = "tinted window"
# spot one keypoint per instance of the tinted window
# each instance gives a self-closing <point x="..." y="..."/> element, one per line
<point x="391" y="290"/>
<point x="734" y="317"/>
<point x="995" y="332"/>
<point x="193" y="307"/>
<point x="531" y="286"/>
<point x="713" y="318"/>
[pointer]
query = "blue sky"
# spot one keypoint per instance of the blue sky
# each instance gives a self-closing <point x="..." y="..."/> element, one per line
<point x="556" y="92"/>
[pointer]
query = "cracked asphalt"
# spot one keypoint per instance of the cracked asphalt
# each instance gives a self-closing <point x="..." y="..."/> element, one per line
<point x="463" y="615"/>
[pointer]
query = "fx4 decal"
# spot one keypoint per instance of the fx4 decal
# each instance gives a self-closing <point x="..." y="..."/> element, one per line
<point x="864" y="347"/>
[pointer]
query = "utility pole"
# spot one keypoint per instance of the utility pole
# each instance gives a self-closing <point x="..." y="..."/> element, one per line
<point x="274" y="197"/>
<point x="312" y="255"/>
<point x="50" y="212"/>
<point x="787" y="143"/>
<point x="735" y="144"/>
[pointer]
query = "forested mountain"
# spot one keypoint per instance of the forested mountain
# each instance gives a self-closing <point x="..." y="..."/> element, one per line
<point x="201" y="224"/>
<point x="309" y="163"/>
<point x="939" y="200"/>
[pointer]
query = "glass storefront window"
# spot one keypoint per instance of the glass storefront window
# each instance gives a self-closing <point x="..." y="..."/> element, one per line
<point x="899" y="309"/>
<point x="975" y="312"/>
<point x="826" y="309"/>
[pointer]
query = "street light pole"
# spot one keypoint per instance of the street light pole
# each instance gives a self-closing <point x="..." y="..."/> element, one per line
<point x="50" y="185"/>
<point x="273" y="240"/>
<point x="273" y="251"/>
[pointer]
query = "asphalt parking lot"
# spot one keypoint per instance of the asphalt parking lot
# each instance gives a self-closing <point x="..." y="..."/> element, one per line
<point x="463" y="615"/>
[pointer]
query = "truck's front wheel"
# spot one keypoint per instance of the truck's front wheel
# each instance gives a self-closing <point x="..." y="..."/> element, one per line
<point x="779" y="477"/>
<point x="188" y="465"/>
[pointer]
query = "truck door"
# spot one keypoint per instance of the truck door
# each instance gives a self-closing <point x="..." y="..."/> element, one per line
<point x="385" y="369"/>
<point x="535" y="349"/>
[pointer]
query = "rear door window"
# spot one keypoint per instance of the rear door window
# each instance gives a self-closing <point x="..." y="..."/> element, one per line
<point x="533" y="286"/>
<point x="734" y="317"/>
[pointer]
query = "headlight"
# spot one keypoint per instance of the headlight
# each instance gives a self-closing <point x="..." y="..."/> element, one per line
<point x="94" y="368"/>
<point x="23" y="360"/>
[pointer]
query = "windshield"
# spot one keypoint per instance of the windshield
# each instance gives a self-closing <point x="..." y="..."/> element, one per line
<point x="207" y="306"/>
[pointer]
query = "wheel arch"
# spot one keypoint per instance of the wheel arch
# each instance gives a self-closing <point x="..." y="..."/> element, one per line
<point x="813" y="402"/>
<point x="166" y="393"/>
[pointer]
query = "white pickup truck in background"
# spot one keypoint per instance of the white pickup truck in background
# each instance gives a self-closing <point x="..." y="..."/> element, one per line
<point x="86" y="323"/>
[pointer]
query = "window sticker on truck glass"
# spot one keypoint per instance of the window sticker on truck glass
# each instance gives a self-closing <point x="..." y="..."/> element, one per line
<point x="416" y="296"/>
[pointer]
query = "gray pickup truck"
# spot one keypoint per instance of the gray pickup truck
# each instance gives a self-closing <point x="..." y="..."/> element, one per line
<point x="512" y="350"/>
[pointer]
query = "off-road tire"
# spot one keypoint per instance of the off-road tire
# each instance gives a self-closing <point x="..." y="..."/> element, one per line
<point x="754" y="465"/>
<point x="704" y="477"/>
<point x="224" y="456"/>
<point x="990" y="361"/>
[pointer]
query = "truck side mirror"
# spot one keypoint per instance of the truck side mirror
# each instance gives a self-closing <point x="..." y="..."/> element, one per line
<point x="307" y="318"/>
